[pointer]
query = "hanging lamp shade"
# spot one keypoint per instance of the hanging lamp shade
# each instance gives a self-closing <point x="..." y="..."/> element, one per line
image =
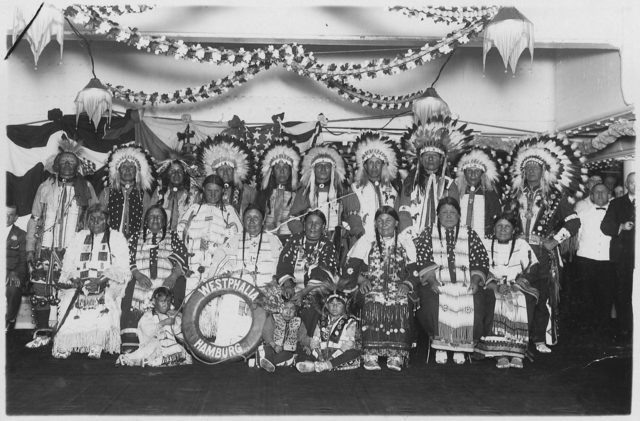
<point x="511" y="32"/>
<point x="48" y="25"/>
<point x="429" y="106"/>
<point x="95" y="99"/>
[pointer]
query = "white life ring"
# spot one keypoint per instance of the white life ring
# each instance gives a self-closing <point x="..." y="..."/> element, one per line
<point x="202" y="346"/>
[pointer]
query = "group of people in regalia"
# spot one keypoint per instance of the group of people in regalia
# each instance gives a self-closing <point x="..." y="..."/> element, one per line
<point x="461" y="243"/>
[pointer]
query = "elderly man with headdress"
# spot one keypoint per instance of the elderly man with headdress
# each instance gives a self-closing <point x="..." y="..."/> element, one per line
<point x="58" y="212"/>
<point x="178" y="187"/>
<point x="477" y="178"/>
<point x="454" y="266"/>
<point x="231" y="160"/>
<point x="307" y="260"/>
<point x="323" y="187"/>
<point x="384" y="268"/>
<point x="130" y="191"/>
<point x="280" y="166"/>
<point x="158" y="258"/>
<point x="94" y="273"/>
<point x="376" y="181"/>
<point x="432" y="144"/>
<point x="512" y="267"/>
<point x="204" y="227"/>
<point x="544" y="171"/>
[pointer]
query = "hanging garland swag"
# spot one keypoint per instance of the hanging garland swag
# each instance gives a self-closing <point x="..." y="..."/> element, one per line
<point x="292" y="56"/>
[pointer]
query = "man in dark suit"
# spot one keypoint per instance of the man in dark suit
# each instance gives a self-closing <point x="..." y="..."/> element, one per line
<point x="16" y="266"/>
<point x="619" y="224"/>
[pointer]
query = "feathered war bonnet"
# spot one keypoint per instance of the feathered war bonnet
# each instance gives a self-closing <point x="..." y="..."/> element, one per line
<point x="373" y="145"/>
<point x="280" y="152"/>
<point x="317" y="155"/>
<point x="66" y="145"/>
<point x="146" y="176"/>
<point x="442" y="135"/>
<point x="226" y="150"/>
<point x="176" y="156"/>
<point x="561" y="161"/>
<point x="485" y="159"/>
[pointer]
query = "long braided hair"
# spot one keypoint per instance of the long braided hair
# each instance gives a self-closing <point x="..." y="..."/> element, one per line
<point x="387" y="210"/>
<point x="145" y="227"/>
<point x="244" y="233"/>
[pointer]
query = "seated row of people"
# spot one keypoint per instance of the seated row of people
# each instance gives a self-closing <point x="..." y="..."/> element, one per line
<point x="440" y="253"/>
<point x="444" y="276"/>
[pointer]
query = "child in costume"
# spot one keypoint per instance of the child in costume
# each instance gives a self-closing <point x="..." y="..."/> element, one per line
<point x="281" y="334"/>
<point x="335" y="344"/>
<point x="158" y="330"/>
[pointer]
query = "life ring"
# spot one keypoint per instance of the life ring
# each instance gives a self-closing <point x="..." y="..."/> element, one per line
<point x="202" y="346"/>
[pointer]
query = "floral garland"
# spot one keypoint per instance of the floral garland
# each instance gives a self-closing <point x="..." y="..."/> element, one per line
<point x="448" y="14"/>
<point x="95" y="19"/>
<point x="612" y="133"/>
<point x="474" y="21"/>
<point x="292" y="56"/>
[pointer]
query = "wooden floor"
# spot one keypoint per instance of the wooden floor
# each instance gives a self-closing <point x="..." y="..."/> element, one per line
<point x="582" y="376"/>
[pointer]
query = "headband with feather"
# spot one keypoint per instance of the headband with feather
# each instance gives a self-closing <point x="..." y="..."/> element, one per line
<point x="226" y="150"/>
<point x="66" y="145"/>
<point x="280" y="152"/>
<point x="146" y="176"/>
<point x="176" y="156"/>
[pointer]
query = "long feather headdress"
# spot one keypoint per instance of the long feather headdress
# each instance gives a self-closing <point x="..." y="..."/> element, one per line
<point x="442" y="135"/>
<point x="226" y="150"/>
<point x="561" y="160"/>
<point x="323" y="154"/>
<point x="287" y="153"/>
<point x="146" y="176"/>
<point x="373" y="145"/>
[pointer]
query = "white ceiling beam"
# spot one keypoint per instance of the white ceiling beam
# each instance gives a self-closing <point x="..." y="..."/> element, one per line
<point x="335" y="40"/>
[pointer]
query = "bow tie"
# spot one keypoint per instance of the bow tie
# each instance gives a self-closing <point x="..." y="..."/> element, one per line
<point x="601" y="208"/>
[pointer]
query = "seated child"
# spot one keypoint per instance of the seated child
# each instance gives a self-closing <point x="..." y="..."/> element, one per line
<point x="158" y="330"/>
<point x="335" y="344"/>
<point x="281" y="334"/>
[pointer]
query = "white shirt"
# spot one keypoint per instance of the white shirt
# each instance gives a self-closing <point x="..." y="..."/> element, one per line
<point x="592" y="243"/>
<point x="583" y="204"/>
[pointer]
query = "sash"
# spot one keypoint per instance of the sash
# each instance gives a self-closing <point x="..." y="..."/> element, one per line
<point x="103" y="260"/>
